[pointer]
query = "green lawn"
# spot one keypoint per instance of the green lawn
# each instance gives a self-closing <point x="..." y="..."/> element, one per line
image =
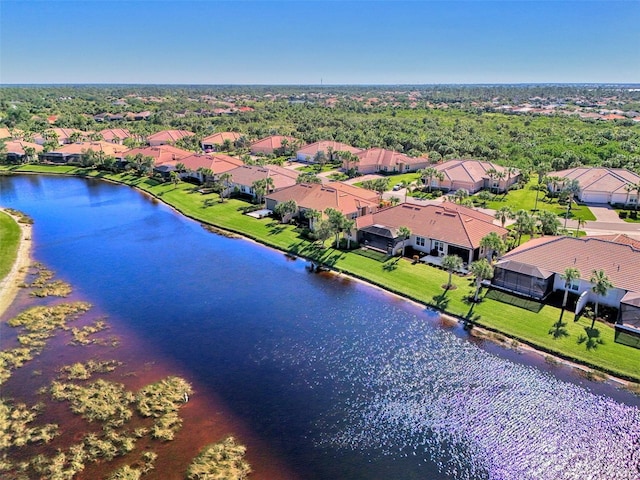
<point x="418" y="282"/>
<point x="9" y="242"/>
<point x="627" y="218"/>
<point x="525" y="199"/>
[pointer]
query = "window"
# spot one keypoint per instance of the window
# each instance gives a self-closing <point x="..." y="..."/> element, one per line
<point x="420" y="241"/>
<point x="438" y="246"/>
<point x="574" y="285"/>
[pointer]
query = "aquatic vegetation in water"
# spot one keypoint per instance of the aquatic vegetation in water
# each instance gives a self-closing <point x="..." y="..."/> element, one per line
<point x="83" y="371"/>
<point x="165" y="396"/>
<point x="16" y="429"/>
<point x="44" y="286"/>
<point x="100" y="400"/>
<point x="220" y="461"/>
<point x="38" y="324"/>
<point x="81" y="335"/>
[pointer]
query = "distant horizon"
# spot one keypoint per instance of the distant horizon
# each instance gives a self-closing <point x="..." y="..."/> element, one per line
<point x="277" y="42"/>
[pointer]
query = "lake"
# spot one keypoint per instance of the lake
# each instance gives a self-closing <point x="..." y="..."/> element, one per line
<point x="321" y="376"/>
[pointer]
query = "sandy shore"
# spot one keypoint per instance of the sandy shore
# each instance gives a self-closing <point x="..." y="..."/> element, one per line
<point x="9" y="285"/>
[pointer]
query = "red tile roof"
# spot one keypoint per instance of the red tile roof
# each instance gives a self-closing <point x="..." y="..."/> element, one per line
<point x="160" y="154"/>
<point x="78" y="148"/>
<point x="247" y="174"/>
<point x="109" y="134"/>
<point x="620" y="262"/>
<point x="468" y="170"/>
<point x="599" y="179"/>
<point x="216" y="163"/>
<point x="619" y="238"/>
<point x="447" y="222"/>
<point x="347" y="199"/>
<point x="17" y="146"/>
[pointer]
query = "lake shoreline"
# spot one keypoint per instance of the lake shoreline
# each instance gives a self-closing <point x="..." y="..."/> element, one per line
<point x="10" y="285"/>
<point x="483" y="332"/>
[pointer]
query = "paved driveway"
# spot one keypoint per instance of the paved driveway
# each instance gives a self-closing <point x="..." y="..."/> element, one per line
<point x="604" y="213"/>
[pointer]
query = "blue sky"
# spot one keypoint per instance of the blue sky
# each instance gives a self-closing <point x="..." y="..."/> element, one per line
<point x="302" y="42"/>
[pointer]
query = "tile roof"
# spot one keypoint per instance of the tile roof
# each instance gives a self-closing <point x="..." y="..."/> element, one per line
<point x="160" y="154"/>
<point x="216" y="163"/>
<point x="110" y="133"/>
<point x="81" y="147"/>
<point x="271" y="143"/>
<point x="313" y="148"/>
<point x="619" y="238"/>
<point x="247" y="174"/>
<point x="340" y="196"/>
<point x="450" y="223"/>
<point x="169" y="136"/>
<point x="220" y="137"/>
<point x="619" y="261"/>
<point x="381" y="157"/>
<point x="599" y="179"/>
<point x="468" y="170"/>
<point x="17" y="146"/>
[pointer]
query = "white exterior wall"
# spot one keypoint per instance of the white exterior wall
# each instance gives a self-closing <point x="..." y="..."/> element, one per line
<point x="612" y="299"/>
<point x="596" y="197"/>
<point x="301" y="157"/>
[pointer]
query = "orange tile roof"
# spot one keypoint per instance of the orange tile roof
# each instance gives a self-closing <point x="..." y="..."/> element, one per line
<point x="17" y="146"/>
<point x="449" y="223"/>
<point x="220" y="137"/>
<point x="160" y="154"/>
<point x="620" y="262"/>
<point x="216" y="163"/>
<point x="271" y="143"/>
<point x="81" y="147"/>
<point x="619" y="238"/>
<point x="169" y="136"/>
<point x="345" y="198"/>
<point x="313" y="148"/>
<point x="110" y="133"/>
<point x="247" y="174"/>
<point x="381" y="157"/>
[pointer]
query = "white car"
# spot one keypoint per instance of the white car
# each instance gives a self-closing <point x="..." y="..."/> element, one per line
<point x="397" y="187"/>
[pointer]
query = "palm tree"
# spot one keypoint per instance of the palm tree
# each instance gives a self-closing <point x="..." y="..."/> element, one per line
<point x="284" y="209"/>
<point x="482" y="270"/>
<point x="525" y="223"/>
<point x="493" y="243"/>
<point x="313" y="216"/>
<point x="451" y="263"/>
<point x="430" y="173"/>
<point x="570" y="274"/>
<point x="348" y="226"/>
<point x="504" y="214"/>
<point x="404" y="233"/>
<point x="548" y="222"/>
<point x="500" y="176"/>
<point x="581" y="223"/>
<point x="224" y="181"/>
<point x="601" y="286"/>
<point x="461" y="194"/>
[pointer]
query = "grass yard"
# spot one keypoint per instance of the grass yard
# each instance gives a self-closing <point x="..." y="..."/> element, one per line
<point x="9" y="242"/>
<point x="570" y="339"/>
<point x="525" y="199"/>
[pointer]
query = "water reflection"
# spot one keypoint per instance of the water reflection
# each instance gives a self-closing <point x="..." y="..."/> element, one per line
<point x="342" y="381"/>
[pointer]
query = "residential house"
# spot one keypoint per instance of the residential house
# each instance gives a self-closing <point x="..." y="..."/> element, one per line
<point x="73" y="152"/>
<point x="64" y="136"/>
<point x="602" y="185"/>
<point x="167" y="137"/>
<point x="309" y="153"/>
<point x="352" y="201"/>
<point x="436" y="230"/>
<point x="160" y="155"/>
<point x="115" y="135"/>
<point x="535" y="268"/>
<point x="380" y="160"/>
<point x="271" y="145"/>
<point x="213" y="142"/>
<point x="242" y="178"/>
<point x="17" y="150"/>
<point x="473" y="175"/>
<point x="196" y="163"/>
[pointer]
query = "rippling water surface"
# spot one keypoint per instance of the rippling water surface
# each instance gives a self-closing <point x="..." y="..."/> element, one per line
<point x="340" y="380"/>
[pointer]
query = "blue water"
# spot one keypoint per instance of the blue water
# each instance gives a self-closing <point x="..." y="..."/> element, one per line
<point x="341" y="380"/>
